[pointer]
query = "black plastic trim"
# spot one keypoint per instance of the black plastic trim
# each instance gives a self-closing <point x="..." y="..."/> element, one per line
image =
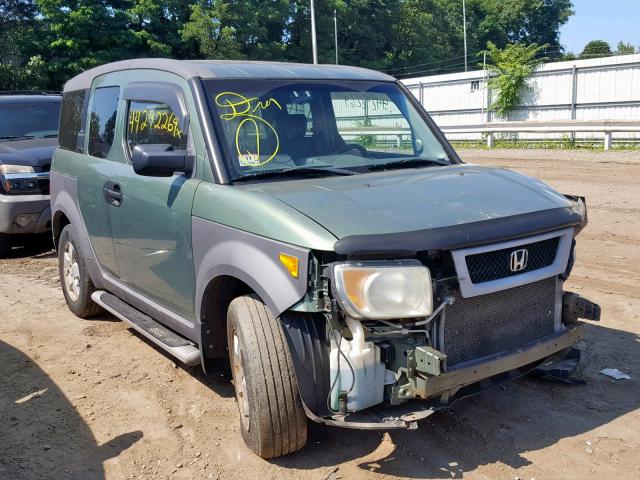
<point x="458" y="236"/>
<point x="306" y="337"/>
<point x="218" y="167"/>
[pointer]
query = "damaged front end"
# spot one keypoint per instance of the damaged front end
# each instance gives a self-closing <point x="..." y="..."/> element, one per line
<point x="397" y="339"/>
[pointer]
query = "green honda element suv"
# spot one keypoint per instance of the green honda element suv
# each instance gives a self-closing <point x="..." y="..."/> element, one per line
<point x="313" y="224"/>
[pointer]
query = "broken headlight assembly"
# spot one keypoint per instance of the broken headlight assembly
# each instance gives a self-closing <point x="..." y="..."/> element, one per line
<point x="384" y="290"/>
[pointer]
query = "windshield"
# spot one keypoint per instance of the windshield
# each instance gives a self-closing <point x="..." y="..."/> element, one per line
<point x="29" y="120"/>
<point x="271" y="127"/>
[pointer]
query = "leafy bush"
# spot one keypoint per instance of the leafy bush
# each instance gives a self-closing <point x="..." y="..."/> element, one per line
<point x="511" y="68"/>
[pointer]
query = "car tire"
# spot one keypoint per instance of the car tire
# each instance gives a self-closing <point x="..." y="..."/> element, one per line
<point x="76" y="282"/>
<point x="5" y="245"/>
<point x="272" y="420"/>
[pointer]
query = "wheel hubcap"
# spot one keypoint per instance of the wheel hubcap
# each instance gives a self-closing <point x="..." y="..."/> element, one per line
<point x="71" y="271"/>
<point x="240" y="382"/>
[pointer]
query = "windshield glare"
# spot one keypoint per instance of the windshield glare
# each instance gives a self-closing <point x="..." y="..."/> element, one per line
<point x="37" y="119"/>
<point x="269" y="125"/>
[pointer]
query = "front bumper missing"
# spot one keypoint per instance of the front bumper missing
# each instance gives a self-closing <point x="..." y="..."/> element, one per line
<point x="464" y="381"/>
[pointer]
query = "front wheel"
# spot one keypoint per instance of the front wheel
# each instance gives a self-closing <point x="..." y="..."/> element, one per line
<point x="76" y="282"/>
<point x="272" y="419"/>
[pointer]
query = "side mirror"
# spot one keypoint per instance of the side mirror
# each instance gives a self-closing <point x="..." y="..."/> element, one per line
<point x="160" y="160"/>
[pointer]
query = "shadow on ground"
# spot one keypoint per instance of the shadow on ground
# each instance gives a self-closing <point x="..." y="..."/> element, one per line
<point x="496" y="426"/>
<point x="31" y="245"/>
<point x="219" y="373"/>
<point x="42" y="436"/>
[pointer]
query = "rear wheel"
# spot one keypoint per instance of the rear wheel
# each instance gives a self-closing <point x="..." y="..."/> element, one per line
<point x="5" y="245"/>
<point x="76" y="282"/>
<point x="272" y="419"/>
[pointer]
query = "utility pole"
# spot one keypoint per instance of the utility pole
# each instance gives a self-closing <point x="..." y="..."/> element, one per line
<point x="464" y="30"/>
<point x="314" y="46"/>
<point x="484" y="82"/>
<point x="335" y="32"/>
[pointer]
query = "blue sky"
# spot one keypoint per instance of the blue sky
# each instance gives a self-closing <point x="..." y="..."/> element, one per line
<point x="609" y="20"/>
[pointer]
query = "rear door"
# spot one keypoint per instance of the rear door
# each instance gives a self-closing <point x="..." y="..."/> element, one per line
<point x="152" y="226"/>
<point x="94" y="168"/>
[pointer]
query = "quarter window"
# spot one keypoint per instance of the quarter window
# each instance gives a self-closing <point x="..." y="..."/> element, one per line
<point x="154" y="123"/>
<point x="71" y="119"/>
<point x="102" y="125"/>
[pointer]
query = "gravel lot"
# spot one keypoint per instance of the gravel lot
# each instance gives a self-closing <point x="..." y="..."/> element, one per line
<point x="92" y="400"/>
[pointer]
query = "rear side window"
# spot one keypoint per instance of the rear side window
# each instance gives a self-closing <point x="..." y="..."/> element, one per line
<point x="154" y="123"/>
<point x="102" y="123"/>
<point x="72" y="115"/>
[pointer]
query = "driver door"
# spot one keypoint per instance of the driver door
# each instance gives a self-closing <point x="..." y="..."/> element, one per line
<point x="152" y="226"/>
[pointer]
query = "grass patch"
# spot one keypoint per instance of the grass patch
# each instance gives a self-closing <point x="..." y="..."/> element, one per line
<point x="556" y="144"/>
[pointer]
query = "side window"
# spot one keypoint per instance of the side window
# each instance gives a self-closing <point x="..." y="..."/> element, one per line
<point x="154" y="123"/>
<point x="71" y="118"/>
<point x="102" y="123"/>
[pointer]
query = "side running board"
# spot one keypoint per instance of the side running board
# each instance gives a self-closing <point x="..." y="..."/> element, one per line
<point x="181" y="348"/>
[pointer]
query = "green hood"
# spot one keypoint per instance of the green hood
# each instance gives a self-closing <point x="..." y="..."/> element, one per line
<point x="413" y="199"/>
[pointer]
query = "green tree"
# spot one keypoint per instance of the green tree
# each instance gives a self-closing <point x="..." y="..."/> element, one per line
<point x="429" y="33"/>
<point x="596" y="48"/>
<point x="427" y="37"/>
<point x="45" y="42"/>
<point x="154" y="22"/>
<point x="21" y="66"/>
<point x="365" y="31"/>
<point x="205" y="29"/>
<point x="520" y="21"/>
<point x="85" y="33"/>
<point x="625" y="49"/>
<point x="511" y="68"/>
<point x="568" y="56"/>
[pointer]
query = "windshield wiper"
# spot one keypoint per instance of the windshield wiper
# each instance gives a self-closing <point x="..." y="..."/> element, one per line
<point x="293" y="172"/>
<point x="15" y="137"/>
<point x="409" y="163"/>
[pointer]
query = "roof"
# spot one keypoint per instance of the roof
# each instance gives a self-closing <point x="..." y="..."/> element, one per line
<point x="30" y="98"/>
<point x="207" y="69"/>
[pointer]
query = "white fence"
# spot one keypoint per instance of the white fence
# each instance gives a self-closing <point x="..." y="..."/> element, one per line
<point x="603" y="89"/>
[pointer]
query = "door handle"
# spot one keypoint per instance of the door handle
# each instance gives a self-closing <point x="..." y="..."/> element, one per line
<point x="112" y="194"/>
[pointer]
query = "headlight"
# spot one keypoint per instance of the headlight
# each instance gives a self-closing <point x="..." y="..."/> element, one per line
<point x="384" y="290"/>
<point x="22" y="180"/>
<point x="15" y="169"/>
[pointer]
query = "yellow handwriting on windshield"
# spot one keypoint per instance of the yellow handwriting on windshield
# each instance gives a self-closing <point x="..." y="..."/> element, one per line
<point x="238" y="106"/>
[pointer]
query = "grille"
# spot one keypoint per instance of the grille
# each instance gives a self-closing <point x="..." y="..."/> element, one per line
<point x="497" y="322"/>
<point x="487" y="266"/>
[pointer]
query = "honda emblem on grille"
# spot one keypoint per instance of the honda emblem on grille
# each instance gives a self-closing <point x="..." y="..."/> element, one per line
<point x="519" y="260"/>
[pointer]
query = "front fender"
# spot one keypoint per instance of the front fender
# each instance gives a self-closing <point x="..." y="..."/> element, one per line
<point x="220" y="250"/>
<point x="64" y="201"/>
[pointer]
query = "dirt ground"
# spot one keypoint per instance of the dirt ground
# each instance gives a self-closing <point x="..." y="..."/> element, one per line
<point x="89" y="399"/>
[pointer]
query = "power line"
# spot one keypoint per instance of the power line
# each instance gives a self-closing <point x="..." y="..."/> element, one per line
<point x="443" y="69"/>
<point x="422" y="64"/>
<point x="448" y="67"/>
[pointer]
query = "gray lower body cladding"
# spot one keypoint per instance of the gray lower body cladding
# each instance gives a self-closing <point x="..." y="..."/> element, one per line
<point x="498" y="322"/>
<point x="13" y="205"/>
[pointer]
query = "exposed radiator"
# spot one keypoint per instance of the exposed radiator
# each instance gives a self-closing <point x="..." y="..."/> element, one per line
<point x="497" y="322"/>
